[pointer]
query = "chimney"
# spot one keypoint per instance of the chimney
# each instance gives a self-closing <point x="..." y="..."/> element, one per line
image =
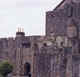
<point x="20" y="32"/>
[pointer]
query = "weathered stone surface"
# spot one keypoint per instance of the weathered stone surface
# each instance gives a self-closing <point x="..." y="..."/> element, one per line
<point x="55" y="55"/>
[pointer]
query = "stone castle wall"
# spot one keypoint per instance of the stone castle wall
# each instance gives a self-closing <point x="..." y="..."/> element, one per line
<point x="54" y="55"/>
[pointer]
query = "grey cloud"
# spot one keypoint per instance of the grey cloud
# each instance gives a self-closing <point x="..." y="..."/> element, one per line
<point x="7" y="3"/>
<point x="29" y="13"/>
<point x="32" y="4"/>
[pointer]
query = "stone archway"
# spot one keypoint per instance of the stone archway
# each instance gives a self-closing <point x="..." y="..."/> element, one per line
<point x="27" y="69"/>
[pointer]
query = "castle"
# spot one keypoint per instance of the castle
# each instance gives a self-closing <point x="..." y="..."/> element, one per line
<point x="55" y="55"/>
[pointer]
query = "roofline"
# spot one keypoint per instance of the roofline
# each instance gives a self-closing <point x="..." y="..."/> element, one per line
<point x="60" y="4"/>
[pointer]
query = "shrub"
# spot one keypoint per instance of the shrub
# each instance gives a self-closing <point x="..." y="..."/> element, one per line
<point x="5" y="68"/>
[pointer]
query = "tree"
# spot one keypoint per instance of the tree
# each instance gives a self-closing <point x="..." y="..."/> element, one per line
<point x="5" y="68"/>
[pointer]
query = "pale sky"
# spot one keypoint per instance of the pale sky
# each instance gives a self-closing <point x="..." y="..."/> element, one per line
<point x="28" y="14"/>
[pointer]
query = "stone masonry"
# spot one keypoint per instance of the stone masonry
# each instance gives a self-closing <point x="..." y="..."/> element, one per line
<point x="57" y="54"/>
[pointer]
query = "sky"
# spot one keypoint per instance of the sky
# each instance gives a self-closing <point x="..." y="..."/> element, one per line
<point x="27" y="14"/>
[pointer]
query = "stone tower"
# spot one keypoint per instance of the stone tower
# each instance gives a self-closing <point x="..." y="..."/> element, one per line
<point x="24" y="55"/>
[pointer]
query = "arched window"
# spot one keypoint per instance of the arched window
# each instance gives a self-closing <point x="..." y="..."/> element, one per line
<point x="27" y="69"/>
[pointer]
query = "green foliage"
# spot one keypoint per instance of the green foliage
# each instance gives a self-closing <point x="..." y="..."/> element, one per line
<point x="5" y="68"/>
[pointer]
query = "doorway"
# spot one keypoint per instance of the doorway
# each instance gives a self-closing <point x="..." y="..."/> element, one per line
<point x="27" y="69"/>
